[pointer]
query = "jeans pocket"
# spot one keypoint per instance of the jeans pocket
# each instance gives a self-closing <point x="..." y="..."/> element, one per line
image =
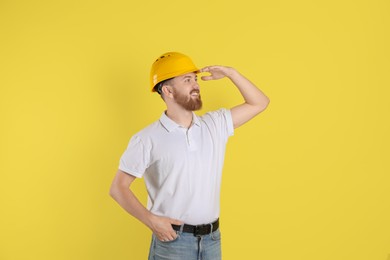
<point x="216" y="235"/>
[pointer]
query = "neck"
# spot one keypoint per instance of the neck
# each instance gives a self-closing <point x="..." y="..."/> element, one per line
<point x="180" y="116"/>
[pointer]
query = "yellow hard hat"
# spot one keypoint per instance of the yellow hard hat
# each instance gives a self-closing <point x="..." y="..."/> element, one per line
<point x="170" y="65"/>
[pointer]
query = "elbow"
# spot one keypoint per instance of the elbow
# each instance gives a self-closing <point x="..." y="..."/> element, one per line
<point x="263" y="105"/>
<point x="113" y="192"/>
<point x="120" y="186"/>
<point x="266" y="103"/>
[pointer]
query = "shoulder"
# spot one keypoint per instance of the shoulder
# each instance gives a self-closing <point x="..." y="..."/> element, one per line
<point x="220" y="119"/>
<point x="219" y="114"/>
<point x="149" y="131"/>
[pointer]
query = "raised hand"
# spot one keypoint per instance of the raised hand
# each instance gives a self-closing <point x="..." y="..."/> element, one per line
<point x="216" y="72"/>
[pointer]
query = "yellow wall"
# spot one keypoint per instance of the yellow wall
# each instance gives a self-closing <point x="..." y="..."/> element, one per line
<point x="308" y="179"/>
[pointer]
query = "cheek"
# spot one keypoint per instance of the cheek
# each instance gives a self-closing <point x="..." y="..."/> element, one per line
<point x="184" y="91"/>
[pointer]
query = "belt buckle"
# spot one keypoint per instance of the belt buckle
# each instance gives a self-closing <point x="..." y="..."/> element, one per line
<point x="198" y="229"/>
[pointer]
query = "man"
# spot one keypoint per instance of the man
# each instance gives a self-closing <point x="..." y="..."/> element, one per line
<point x="181" y="158"/>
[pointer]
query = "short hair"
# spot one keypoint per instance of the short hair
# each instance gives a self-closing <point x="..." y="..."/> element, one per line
<point x="158" y="87"/>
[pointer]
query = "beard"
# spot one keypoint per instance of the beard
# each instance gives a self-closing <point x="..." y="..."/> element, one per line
<point x="187" y="101"/>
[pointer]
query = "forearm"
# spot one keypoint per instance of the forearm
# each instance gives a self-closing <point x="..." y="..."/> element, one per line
<point x="251" y="94"/>
<point x="120" y="191"/>
<point x="129" y="202"/>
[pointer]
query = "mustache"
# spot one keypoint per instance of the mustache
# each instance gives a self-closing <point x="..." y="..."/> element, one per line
<point x="195" y="91"/>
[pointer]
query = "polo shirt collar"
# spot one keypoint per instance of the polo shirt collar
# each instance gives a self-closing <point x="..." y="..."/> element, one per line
<point x="170" y="125"/>
<point x="195" y="119"/>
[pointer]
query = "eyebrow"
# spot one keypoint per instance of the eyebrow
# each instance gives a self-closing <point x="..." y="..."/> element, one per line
<point x="189" y="76"/>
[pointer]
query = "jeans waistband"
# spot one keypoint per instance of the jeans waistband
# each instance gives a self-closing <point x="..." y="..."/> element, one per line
<point x="198" y="230"/>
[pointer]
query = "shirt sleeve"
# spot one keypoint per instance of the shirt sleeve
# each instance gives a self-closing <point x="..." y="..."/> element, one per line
<point x="136" y="158"/>
<point x="222" y="119"/>
<point x="229" y="121"/>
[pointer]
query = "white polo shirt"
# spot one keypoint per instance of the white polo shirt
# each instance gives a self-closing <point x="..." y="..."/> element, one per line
<point x="182" y="167"/>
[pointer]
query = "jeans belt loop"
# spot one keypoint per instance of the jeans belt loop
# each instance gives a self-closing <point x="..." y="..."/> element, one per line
<point x="211" y="228"/>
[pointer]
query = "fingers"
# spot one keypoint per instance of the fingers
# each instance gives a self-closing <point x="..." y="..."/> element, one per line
<point x="216" y="72"/>
<point x="168" y="236"/>
<point x="171" y="234"/>
<point x="164" y="230"/>
<point x="205" y="69"/>
<point x="209" y="68"/>
<point x="176" y="222"/>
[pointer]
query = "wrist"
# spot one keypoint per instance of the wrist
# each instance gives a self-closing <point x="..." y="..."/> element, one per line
<point x="150" y="220"/>
<point x="232" y="73"/>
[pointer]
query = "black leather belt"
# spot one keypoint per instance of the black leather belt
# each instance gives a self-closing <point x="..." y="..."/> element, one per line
<point x="198" y="230"/>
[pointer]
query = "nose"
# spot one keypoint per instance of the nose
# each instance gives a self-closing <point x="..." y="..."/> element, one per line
<point x="196" y="85"/>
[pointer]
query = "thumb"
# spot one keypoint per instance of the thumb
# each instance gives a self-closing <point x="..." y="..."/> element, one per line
<point x="176" y="222"/>
<point x="206" y="78"/>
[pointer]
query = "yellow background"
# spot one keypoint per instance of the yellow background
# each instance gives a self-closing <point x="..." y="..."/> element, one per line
<point x="307" y="179"/>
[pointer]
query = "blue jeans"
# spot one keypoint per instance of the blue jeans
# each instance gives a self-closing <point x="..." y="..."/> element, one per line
<point x="187" y="247"/>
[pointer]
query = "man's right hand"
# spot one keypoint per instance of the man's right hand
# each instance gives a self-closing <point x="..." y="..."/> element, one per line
<point x="162" y="227"/>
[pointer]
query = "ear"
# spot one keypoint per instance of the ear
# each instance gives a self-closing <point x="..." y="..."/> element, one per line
<point x="167" y="90"/>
